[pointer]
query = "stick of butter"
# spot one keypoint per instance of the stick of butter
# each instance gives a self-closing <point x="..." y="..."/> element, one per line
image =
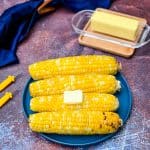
<point x="114" y="25"/>
<point x="73" y="97"/>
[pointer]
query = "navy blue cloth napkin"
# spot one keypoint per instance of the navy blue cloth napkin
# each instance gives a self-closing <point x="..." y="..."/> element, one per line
<point x="16" y="22"/>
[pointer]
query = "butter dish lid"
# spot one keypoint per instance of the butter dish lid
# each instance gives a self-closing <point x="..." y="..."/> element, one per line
<point x="81" y="21"/>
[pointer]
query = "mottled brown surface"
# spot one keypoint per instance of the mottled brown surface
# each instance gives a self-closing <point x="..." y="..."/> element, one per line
<point x="53" y="37"/>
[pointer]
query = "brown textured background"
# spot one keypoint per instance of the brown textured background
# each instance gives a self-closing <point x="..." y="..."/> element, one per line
<point x="53" y="37"/>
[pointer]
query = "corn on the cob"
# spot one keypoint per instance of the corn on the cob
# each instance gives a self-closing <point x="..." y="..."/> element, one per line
<point x="74" y="65"/>
<point x="86" y="83"/>
<point x="91" y="101"/>
<point x="75" y="122"/>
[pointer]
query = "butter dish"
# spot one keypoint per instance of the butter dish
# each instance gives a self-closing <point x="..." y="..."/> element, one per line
<point x="81" y="23"/>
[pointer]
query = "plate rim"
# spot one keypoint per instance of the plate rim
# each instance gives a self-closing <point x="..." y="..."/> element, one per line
<point x="43" y="135"/>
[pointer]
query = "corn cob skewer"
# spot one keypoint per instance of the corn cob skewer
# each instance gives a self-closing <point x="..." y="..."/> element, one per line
<point x="6" y="82"/>
<point x="4" y="99"/>
<point x="75" y="122"/>
<point x="91" y="101"/>
<point x="74" y="65"/>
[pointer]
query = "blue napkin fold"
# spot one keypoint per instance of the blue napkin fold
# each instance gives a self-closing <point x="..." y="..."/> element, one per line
<point x="16" y="22"/>
<point x="78" y="5"/>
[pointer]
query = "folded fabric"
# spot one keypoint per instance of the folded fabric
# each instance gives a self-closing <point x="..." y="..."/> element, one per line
<point x="16" y="22"/>
<point x="77" y="5"/>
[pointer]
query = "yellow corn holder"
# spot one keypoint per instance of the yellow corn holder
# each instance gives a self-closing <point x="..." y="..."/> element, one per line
<point x="6" y="82"/>
<point x="7" y="96"/>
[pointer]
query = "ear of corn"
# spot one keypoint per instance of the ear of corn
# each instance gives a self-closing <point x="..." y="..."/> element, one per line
<point x="75" y="122"/>
<point x="74" y="65"/>
<point x="91" y="101"/>
<point x="91" y="74"/>
<point x="86" y="83"/>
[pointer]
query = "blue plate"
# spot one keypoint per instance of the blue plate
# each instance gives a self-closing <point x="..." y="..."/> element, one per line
<point x="125" y="100"/>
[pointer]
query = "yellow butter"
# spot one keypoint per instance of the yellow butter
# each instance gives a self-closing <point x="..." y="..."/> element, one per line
<point x="73" y="97"/>
<point x="114" y="25"/>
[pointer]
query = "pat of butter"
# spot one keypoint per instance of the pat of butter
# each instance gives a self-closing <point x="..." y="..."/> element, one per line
<point x="114" y="25"/>
<point x="73" y="97"/>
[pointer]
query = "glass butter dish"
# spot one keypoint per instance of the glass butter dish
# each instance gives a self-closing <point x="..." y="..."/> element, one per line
<point x="81" y="24"/>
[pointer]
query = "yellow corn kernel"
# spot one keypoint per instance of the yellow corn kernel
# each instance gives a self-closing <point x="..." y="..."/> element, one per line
<point x="6" y="82"/>
<point x="7" y="96"/>
<point x="75" y="122"/>
<point x="91" y="101"/>
<point x="84" y="82"/>
<point x="74" y="65"/>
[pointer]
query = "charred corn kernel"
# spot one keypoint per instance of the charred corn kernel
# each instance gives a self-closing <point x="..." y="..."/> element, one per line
<point x="75" y="122"/>
<point x="85" y="82"/>
<point x="6" y="82"/>
<point x="91" y="101"/>
<point x="74" y="65"/>
<point x="7" y="96"/>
